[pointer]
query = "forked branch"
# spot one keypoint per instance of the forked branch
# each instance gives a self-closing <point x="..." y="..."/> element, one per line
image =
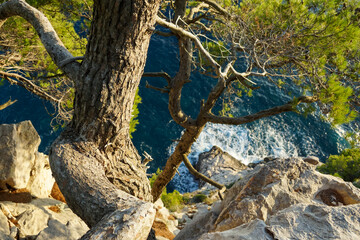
<point x="46" y="32"/>
<point x="265" y="113"/>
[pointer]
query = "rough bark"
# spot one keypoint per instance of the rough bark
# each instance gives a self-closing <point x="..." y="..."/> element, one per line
<point x="174" y="161"/>
<point x="94" y="159"/>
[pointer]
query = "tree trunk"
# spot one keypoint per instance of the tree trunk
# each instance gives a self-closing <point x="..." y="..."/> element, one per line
<point x="94" y="157"/>
<point x="174" y="161"/>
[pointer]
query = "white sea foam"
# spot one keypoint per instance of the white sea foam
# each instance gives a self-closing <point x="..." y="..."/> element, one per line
<point x="246" y="144"/>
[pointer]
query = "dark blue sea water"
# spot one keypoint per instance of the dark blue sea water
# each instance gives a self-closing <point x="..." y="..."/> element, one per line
<point x="284" y="135"/>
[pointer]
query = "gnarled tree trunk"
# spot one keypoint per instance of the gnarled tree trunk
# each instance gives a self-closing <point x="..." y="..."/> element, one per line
<point x="94" y="160"/>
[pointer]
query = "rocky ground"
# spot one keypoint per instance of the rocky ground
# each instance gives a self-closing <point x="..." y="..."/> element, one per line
<point x="274" y="199"/>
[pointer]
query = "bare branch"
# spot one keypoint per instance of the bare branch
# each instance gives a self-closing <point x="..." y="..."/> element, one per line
<point x="28" y="85"/>
<point x="180" y="31"/>
<point x="162" y="90"/>
<point x="46" y="32"/>
<point x="242" y="80"/>
<point x="8" y="103"/>
<point x="217" y="7"/>
<point x="69" y="60"/>
<point x="265" y="113"/>
<point x="158" y="74"/>
<point x="193" y="171"/>
<point x="177" y="83"/>
<point x="164" y="34"/>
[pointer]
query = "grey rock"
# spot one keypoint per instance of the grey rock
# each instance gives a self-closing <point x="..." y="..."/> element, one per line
<point x="18" y="145"/>
<point x="33" y="221"/>
<point x="58" y="231"/>
<point x="131" y="223"/>
<point x="284" y="199"/>
<point x="219" y="166"/>
<point x="36" y="220"/>
<point x="4" y="236"/>
<point x="253" y="230"/>
<point x="21" y="165"/>
<point x="315" y="221"/>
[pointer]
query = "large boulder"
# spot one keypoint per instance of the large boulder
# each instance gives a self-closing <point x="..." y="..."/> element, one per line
<point x="219" y="166"/>
<point x="21" y="165"/>
<point x="282" y="199"/>
<point x="40" y="219"/>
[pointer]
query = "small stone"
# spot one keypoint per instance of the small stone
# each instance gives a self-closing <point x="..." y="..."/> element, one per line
<point x="312" y="160"/>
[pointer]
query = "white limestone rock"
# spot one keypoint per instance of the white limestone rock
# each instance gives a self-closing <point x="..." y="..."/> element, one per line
<point x="315" y="221"/>
<point x="131" y="223"/>
<point x="41" y="181"/>
<point x="286" y="199"/>
<point x="219" y="166"/>
<point x="21" y="165"/>
<point x="37" y="221"/>
<point x="253" y="230"/>
<point x="18" y="145"/>
<point x="58" y="231"/>
<point x="33" y="221"/>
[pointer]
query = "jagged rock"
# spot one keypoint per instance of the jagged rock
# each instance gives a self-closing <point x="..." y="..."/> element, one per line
<point x="315" y="221"/>
<point x="22" y="166"/>
<point x="252" y="230"/>
<point x="41" y="219"/>
<point x="33" y="221"/>
<point x="58" y="231"/>
<point x="219" y="166"/>
<point x="278" y="185"/>
<point x="290" y="197"/>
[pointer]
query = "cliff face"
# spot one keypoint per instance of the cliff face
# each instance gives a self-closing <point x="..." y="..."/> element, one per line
<point x="282" y="199"/>
<point x="275" y="199"/>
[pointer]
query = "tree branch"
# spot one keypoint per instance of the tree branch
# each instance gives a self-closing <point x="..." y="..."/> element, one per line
<point x="8" y="103"/>
<point x="265" y="113"/>
<point x="177" y="83"/>
<point x="162" y="90"/>
<point x="193" y="171"/>
<point x="158" y="74"/>
<point x="243" y="81"/>
<point x="28" y="85"/>
<point x="217" y="7"/>
<point x="181" y="32"/>
<point x="46" y="32"/>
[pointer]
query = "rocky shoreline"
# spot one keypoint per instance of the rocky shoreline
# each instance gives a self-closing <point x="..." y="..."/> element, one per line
<point x="273" y="199"/>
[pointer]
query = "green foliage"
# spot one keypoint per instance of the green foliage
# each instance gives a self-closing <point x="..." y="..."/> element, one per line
<point x="346" y="165"/>
<point x="172" y="201"/>
<point x="198" y="198"/>
<point x="135" y="113"/>
<point x="313" y="43"/>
